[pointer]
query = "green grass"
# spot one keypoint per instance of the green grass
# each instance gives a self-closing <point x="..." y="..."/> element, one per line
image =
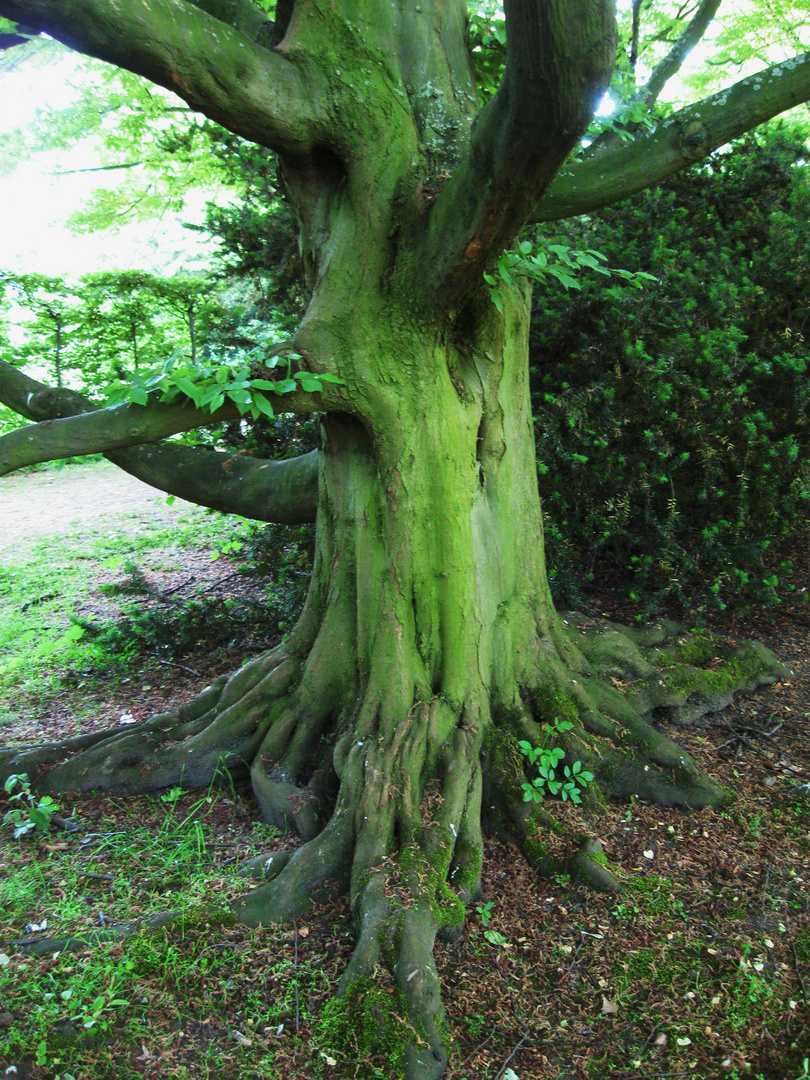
<point x="39" y="599"/>
<point x="82" y="1013"/>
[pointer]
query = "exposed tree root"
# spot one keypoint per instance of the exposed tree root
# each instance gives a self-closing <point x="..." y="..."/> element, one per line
<point x="76" y="942"/>
<point x="390" y="793"/>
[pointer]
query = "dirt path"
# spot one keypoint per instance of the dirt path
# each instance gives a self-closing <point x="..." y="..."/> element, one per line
<point x="57" y="501"/>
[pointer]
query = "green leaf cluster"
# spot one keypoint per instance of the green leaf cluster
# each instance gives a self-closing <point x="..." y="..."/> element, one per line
<point x="553" y="262"/>
<point x="31" y="812"/>
<point x="486" y="39"/>
<point x="209" y="386"/>
<point x="550" y="777"/>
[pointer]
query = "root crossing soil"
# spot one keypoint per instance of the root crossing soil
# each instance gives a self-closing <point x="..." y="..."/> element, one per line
<point x="701" y="967"/>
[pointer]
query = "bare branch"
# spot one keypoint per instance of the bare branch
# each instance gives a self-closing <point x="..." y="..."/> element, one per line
<point x="663" y="71"/>
<point x="34" y="400"/>
<point x="683" y="139"/>
<point x="672" y="62"/>
<point x="9" y="41"/>
<point x="216" y="68"/>
<point x="285" y="492"/>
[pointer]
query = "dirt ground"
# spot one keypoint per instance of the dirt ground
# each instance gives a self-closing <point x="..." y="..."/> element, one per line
<point x="57" y="501"/>
<point x="700" y="968"/>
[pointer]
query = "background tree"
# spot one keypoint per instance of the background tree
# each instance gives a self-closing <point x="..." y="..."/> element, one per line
<point x="52" y="308"/>
<point x="119" y="323"/>
<point x="385" y="728"/>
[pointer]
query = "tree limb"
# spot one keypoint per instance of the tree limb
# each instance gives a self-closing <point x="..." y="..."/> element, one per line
<point x="663" y="71"/>
<point x="559" y="58"/>
<point x="100" y="431"/>
<point x="285" y="492"/>
<point x="104" y="430"/>
<point x="216" y="68"/>
<point x="681" y="140"/>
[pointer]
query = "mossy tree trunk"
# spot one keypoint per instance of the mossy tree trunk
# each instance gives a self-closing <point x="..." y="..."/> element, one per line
<point x="385" y="728"/>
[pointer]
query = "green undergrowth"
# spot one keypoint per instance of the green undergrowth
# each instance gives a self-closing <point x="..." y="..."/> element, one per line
<point x="671" y="421"/>
<point x="88" y="606"/>
<point x="199" y="987"/>
<point x="702" y="956"/>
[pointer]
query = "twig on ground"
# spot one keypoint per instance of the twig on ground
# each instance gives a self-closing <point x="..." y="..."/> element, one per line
<point x="295" y="970"/>
<point x="481" y="1045"/>
<point x="654" y="1076"/>
<point x="168" y="592"/>
<point x="798" y="973"/>
<point x="221" y="581"/>
<point x="41" y="946"/>
<point x="170" y="663"/>
<point x="65" y="824"/>
<point x="503" y="1067"/>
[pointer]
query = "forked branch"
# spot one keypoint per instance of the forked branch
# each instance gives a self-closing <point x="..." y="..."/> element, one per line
<point x="560" y="56"/>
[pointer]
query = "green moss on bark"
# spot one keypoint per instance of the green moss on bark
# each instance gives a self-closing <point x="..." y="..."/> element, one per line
<point x="554" y="704"/>
<point x="426" y="873"/>
<point x="367" y="1023"/>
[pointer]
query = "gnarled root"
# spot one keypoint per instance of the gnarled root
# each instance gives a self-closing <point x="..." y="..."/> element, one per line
<point x="389" y="789"/>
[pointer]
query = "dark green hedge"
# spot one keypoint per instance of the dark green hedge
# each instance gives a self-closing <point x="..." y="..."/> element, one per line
<point x="672" y="422"/>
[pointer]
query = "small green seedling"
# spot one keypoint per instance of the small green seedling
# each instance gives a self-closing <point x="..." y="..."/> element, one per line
<point x="32" y="812"/>
<point x="549" y="776"/>
<point x="172" y="796"/>
<point x="485" y="911"/>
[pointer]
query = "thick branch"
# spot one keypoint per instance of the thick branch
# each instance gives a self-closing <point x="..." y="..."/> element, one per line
<point x="285" y="492"/>
<point x="34" y="400"/>
<point x="560" y="55"/>
<point x="100" y="431"/>
<point x="104" y="430"/>
<point x="217" y="69"/>
<point x="685" y="138"/>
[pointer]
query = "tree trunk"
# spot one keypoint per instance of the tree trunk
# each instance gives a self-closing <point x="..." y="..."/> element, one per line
<point x="386" y="728"/>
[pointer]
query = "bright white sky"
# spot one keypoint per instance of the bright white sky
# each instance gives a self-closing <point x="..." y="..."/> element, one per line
<point x="35" y="202"/>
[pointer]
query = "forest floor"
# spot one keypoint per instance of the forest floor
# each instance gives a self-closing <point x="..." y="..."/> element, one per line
<point x="700" y="967"/>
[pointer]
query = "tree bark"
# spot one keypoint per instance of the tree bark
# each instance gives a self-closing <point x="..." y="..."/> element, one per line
<point x="385" y="729"/>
